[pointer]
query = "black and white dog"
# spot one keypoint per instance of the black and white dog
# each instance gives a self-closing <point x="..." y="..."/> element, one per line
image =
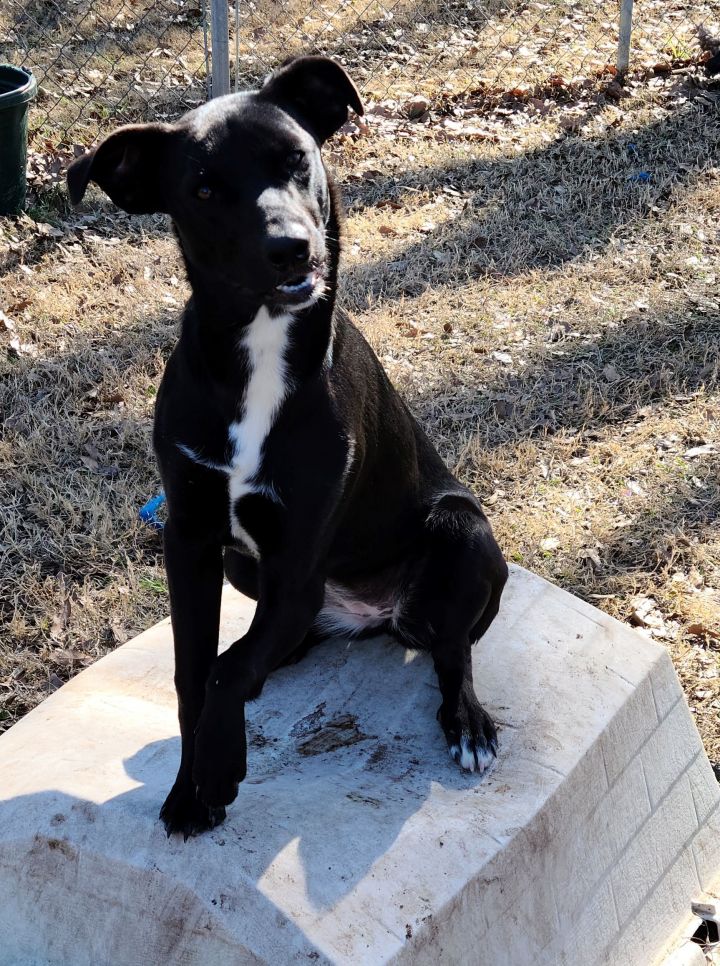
<point x="288" y="459"/>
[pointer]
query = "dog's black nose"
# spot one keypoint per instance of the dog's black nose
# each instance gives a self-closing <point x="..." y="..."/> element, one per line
<point x="288" y="253"/>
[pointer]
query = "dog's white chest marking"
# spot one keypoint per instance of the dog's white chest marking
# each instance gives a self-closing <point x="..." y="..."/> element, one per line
<point x="265" y="340"/>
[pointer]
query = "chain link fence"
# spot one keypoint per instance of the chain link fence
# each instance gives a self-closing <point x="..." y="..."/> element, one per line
<point x="104" y="62"/>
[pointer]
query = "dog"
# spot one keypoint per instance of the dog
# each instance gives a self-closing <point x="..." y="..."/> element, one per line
<point x="289" y="461"/>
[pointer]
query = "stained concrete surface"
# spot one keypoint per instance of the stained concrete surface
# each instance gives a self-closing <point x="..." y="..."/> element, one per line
<point x="355" y="839"/>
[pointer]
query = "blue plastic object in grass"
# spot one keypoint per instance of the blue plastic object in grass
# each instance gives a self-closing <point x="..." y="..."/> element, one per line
<point x="148" y="513"/>
<point x="641" y="176"/>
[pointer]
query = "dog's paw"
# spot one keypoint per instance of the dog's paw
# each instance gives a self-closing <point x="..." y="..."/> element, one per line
<point x="220" y="762"/>
<point x="470" y="734"/>
<point x="473" y="754"/>
<point x="184" y="813"/>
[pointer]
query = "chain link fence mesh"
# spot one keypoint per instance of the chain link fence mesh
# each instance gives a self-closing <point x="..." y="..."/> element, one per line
<point x="403" y="47"/>
<point x="104" y="62"/>
<point x="666" y="32"/>
<point x="100" y="63"/>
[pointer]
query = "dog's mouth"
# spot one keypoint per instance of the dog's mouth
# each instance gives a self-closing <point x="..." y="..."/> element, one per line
<point x="302" y="289"/>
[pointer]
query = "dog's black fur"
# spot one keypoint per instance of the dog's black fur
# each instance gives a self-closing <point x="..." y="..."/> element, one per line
<point x="348" y="500"/>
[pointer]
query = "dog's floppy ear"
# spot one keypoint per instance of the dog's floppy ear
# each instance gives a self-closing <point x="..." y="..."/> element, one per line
<point x="315" y="89"/>
<point x="127" y="166"/>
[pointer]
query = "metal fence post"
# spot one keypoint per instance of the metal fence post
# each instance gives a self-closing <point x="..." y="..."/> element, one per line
<point x="220" y="38"/>
<point x="623" y="54"/>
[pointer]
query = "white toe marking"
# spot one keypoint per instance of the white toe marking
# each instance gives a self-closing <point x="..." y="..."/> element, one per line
<point x="467" y="758"/>
<point x="485" y="759"/>
<point x="463" y="755"/>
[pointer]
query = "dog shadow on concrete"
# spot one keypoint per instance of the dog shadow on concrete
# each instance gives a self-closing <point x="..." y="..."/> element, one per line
<point x="343" y="750"/>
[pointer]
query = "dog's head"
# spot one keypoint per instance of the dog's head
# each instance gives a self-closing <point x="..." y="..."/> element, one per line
<point x="242" y="179"/>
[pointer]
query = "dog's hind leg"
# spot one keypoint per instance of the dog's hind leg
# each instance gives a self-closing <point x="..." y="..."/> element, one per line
<point x="452" y="600"/>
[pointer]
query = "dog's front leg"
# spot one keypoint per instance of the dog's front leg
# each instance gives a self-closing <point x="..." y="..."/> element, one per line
<point x="286" y="608"/>
<point x="195" y="576"/>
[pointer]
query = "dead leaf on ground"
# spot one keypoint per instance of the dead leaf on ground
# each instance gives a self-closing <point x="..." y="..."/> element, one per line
<point x="69" y="656"/>
<point x="16" y="349"/>
<point x="707" y="450"/>
<point x="591" y="556"/>
<point x="119" y="632"/>
<point x="645" y="613"/>
<point x="699" y="629"/>
<point x="60" y="621"/>
<point x="611" y="373"/>
<point x="416" y="106"/>
<point x="571" y="123"/>
<point x="549" y="543"/>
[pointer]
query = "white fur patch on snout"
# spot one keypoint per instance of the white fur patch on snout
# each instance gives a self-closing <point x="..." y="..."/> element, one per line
<point x="284" y="213"/>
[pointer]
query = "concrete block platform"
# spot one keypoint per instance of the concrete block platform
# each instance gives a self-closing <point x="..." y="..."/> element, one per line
<point x="355" y="839"/>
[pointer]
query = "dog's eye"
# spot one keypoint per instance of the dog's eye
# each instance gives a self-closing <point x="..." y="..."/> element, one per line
<point x="203" y="192"/>
<point x="296" y="161"/>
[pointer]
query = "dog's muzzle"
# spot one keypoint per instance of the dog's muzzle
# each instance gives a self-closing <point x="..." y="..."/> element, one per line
<point x="302" y="289"/>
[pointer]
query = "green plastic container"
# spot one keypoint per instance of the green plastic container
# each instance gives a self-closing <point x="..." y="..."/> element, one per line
<point x="17" y="88"/>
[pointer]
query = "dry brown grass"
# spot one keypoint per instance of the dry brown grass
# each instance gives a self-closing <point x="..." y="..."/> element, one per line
<point x="554" y="324"/>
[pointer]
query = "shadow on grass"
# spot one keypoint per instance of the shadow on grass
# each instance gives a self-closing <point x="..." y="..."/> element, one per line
<point x="581" y="385"/>
<point x="659" y="538"/>
<point x="78" y="462"/>
<point x="564" y="403"/>
<point x="541" y="209"/>
<point x="96" y="32"/>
